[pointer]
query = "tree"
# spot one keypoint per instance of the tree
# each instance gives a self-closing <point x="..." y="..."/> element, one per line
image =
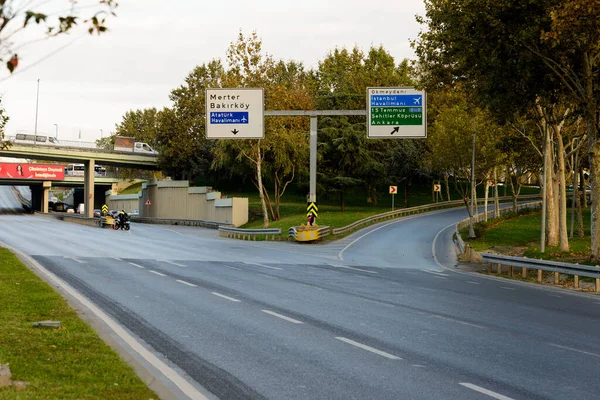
<point x="513" y="54"/>
<point x="56" y="17"/>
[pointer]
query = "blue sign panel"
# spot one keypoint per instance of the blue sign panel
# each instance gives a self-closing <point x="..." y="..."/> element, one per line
<point x="397" y="100"/>
<point x="234" y="117"/>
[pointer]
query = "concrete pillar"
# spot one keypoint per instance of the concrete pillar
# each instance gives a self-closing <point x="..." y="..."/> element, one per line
<point x="597" y="285"/>
<point x="556" y="278"/>
<point x="524" y="272"/>
<point x="88" y="188"/>
<point x="539" y="279"/>
<point x="576" y="283"/>
<point x="46" y="185"/>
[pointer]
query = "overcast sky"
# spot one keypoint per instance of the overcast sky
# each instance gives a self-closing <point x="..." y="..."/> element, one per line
<point x="153" y="44"/>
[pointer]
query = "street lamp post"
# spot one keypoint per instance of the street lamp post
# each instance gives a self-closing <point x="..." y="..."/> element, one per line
<point x="56" y="132"/>
<point x="37" y="102"/>
<point x="101" y="133"/>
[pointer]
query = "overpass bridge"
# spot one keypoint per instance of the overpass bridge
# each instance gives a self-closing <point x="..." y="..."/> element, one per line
<point x="77" y="152"/>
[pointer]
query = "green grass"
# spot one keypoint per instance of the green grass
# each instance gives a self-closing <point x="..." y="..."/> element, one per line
<point x="293" y="207"/>
<point x="132" y="189"/>
<point x="70" y="362"/>
<point x="524" y="232"/>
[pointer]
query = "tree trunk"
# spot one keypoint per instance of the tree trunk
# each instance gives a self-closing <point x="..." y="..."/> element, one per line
<point x="580" y="232"/>
<point x="485" y="202"/>
<point x="506" y="175"/>
<point x="562" y="212"/>
<point x="583" y="185"/>
<point x="447" y="185"/>
<point x="342" y="201"/>
<point x="261" y="189"/>
<point x="496" y="199"/>
<point x="474" y="194"/>
<point x="406" y="185"/>
<point x="277" y="196"/>
<point x="595" y="195"/>
<point x="552" y="217"/>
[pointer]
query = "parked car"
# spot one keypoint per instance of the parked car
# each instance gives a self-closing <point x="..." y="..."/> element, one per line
<point x="97" y="212"/>
<point x="134" y="213"/>
<point x="113" y="213"/>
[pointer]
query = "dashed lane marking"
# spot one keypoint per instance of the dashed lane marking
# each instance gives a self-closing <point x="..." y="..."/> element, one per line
<point x="157" y="273"/>
<point x="507" y="288"/>
<point x="473" y="283"/>
<point x="572" y="349"/>
<point x="352" y="268"/>
<point x="262" y="265"/>
<point x="485" y="391"/>
<point x="288" y="319"/>
<point x="226" y="297"/>
<point x="75" y="259"/>
<point x="368" y="348"/>
<point x="176" y="264"/>
<point x="136" y="265"/>
<point x="186" y="283"/>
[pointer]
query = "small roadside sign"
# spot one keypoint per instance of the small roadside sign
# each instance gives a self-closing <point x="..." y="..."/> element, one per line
<point x="437" y="187"/>
<point x="312" y="208"/>
<point x="393" y="189"/>
<point x="148" y="202"/>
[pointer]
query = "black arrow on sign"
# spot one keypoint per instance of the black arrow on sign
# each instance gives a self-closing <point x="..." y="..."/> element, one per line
<point x="396" y="129"/>
<point x="235" y="131"/>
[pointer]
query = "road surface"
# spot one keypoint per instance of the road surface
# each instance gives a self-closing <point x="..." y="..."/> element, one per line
<point x="381" y="314"/>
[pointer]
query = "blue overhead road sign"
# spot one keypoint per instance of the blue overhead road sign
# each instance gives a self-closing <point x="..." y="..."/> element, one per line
<point x="236" y="117"/>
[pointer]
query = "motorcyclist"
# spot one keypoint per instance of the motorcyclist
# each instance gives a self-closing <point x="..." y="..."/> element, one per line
<point x="122" y="217"/>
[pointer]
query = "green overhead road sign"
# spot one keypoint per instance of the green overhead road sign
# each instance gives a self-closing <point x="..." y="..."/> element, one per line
<point x="396" y="113"/>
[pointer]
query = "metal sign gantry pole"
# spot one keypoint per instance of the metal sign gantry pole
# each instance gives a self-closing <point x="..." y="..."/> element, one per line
<point x="313" y="114"/>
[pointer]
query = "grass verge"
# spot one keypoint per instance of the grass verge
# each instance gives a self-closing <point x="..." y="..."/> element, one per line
<point x="70" y="362"/>
<point x="520" y="235"/>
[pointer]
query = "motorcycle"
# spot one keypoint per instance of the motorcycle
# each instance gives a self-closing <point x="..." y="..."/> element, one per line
<point x="117" y="225"/>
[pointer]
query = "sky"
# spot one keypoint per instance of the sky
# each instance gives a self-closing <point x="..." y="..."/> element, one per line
<point x="87" y="83"/>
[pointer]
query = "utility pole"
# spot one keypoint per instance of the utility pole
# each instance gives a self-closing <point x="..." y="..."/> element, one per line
<point x="37" y="102"/>
<point x="56" y="132"/>
<point x="471" y="229"/>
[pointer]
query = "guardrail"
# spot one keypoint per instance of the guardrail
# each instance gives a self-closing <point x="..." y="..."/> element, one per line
<point x="557" y="267"/>
<point x="175" y="221"/>
<point x="249" y="234"/>
<point x="417" y="210"/>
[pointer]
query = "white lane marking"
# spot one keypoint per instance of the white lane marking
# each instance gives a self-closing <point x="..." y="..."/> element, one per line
<point x="261" y="265"/>
<point x="186" y="283"/>
<point x="116" y="258"/>
<point x="177" y="233"/>
<point x="439" y="277"/>
<point x="433" y="246"/>
<point x="485" y="391"/>
<point x="507" y="288"/>
<point x="230" y="267"/>
<point x="572" y="349"/>
<point x="459" y="321"/>
<point x="75" y="259"/>
<point x="368" y="348"/>
<point x="157" y="273"/>
<point x="434" y="272"/>
<point x="352" y="268"/>
<point x="419" y="366"/>
<point x="400" y="219"/>
<point x="473" y="283"/>
<point x="176" y="264"/>
<point x="226" y="297"/>
<point x="187" y="388"/>
<point x="288" y="319"/>
<point x="136" y="265"/>
<point x="554" y="295"/>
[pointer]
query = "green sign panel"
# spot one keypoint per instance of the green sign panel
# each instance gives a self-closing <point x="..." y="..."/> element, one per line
<point x="397" y="116"/>
<point x="396" y="113"/>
